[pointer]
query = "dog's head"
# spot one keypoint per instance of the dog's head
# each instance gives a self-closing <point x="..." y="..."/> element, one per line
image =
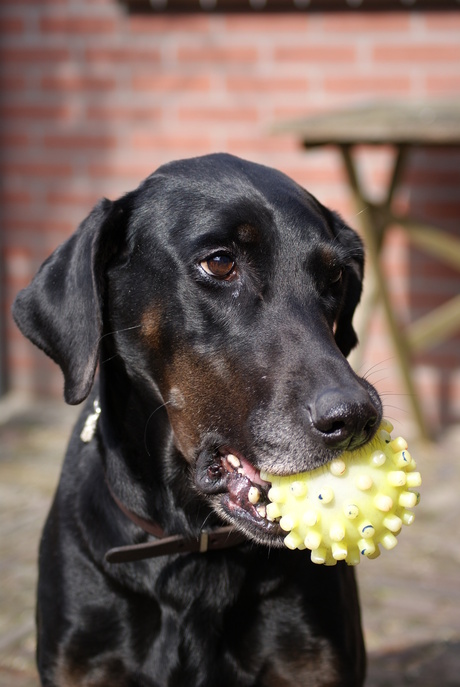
<point x="225" y="292"/>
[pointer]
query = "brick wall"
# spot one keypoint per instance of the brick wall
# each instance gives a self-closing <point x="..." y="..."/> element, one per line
<point x="94" y="100"/>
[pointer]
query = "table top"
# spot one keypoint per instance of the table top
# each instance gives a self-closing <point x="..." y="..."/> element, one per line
<point x="412" y="123"/>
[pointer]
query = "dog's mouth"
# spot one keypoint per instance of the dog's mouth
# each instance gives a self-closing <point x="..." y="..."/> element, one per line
<point x="241" y="495"/>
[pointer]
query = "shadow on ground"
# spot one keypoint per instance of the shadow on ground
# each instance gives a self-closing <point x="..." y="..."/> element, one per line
<point x="424" y="665"/>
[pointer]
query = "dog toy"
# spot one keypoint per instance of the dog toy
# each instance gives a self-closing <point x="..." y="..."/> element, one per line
<point x="350" y="506"/>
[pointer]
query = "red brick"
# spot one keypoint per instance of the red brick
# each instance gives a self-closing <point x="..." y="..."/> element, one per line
<point x="12" y="84"/>
<point x="45" y="226"/>
<point x="12" y="25"/>
<point x="253" y="144"/>
<point x="424" y="302"/>
<point x="77" y="25"/>
<point x="135" y="171"/>
<point x="79" y="141"/>
<point x="439" y="210"/>
<point x="219" y="115"/>
<point x="432" y="177"/>
<point x="124" y="54"/>
<point x="442" y="21"/>
<point x="127" y="113"/>
<point x="19" y="262"/>
<point x="166" y="83"/>
<point x="423" y="53"/>
<point x="20" y="197"/>
<point x="65" y="197"/>
<point x="33" y="55"/>
<point x="360" y="85"/>
<point x="316" y="53"/>
<point x="14" y="139"/>
<point x="174" y="143"/>
<point x="215" y="54"/>
<point x="266" y="84"/>
<point x="309" y="175"/>
<point x="293" y="111"/>
<point x="77" y="82"/>
<point x="37" y="111"/>
<point x="38" y="170"/>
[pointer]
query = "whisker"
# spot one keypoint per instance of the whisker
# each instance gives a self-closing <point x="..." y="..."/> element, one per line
<point x="147" y="424"/>
<point x="118" y="331"/>
<point x="206" y="519"/>
<point x="374" y="368"/>
<point x="107" y="360"/>
<point x="376" y="382"/>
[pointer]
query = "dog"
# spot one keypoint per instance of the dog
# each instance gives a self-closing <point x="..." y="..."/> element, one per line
<point x="205" y="319"/>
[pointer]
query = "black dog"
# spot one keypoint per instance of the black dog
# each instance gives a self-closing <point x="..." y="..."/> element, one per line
<point x="217" y="299"/>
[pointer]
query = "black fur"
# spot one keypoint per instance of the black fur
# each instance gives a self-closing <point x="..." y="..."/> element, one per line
<point x="192" y="367"/>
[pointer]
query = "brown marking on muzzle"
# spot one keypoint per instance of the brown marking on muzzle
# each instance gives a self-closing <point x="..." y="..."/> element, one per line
<point x="204" y="394"/>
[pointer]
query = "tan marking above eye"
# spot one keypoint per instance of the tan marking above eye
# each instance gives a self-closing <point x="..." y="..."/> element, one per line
<point x="151" y="326"/>
<point x="219" y="265"/>
<point x="248" y="234"/>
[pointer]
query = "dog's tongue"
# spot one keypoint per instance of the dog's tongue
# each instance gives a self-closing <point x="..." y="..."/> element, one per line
<point x="245" y="485"/>
<point x="243" y="467"/>
<point x="252" y="473"/>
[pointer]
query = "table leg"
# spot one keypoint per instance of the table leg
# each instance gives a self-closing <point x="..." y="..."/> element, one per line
<point x="374" y="222"/>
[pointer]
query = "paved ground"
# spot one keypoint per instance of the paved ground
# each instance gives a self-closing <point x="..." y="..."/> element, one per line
<point x="410" y="596"/>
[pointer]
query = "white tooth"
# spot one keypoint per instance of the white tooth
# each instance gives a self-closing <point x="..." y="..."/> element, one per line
<point x="240" y="471"/>
<point x="233" y="460"/>
<point x="262" y="511"/>
<point x="253" y="495"/>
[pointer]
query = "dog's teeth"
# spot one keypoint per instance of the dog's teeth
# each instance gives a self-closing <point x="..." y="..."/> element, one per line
<point x="262" y="511"/>
<point x="253" y="495"/>
<point x="233" y="460"/>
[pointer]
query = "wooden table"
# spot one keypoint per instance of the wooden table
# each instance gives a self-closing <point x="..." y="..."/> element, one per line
<point x="403" y="126"/>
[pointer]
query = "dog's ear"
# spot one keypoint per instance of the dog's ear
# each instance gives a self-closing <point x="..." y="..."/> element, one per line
<point x="345" y="334"/>
<point x="61" y="310"/>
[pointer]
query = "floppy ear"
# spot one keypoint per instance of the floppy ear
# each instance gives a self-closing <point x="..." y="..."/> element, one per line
<point x="345" y="334"/>
<point x="61" y="310"/>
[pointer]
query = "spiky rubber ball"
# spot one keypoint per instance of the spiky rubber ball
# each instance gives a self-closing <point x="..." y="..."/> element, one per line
<point x="351" y="506"/>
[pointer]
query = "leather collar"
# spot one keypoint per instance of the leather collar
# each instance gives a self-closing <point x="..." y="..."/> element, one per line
<point x="219" y="538"/>
<point x="212" y="540"/>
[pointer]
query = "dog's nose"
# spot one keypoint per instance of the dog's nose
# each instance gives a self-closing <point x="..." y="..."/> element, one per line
<point x="344" y="419"/>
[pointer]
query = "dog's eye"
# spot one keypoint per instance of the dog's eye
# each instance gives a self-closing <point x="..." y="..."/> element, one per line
<point x="219" y="265"/>
<point x="336" y="277"/>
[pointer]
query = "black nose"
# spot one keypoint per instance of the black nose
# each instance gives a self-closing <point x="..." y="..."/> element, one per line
<point x="344" y="419"/>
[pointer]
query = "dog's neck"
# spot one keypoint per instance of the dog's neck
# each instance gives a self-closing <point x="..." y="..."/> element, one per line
<point x="220" y="538"/>
<point x="208" y="540"/>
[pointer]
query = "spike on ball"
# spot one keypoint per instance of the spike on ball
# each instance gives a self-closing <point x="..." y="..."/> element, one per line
<point x="352" y="506"/>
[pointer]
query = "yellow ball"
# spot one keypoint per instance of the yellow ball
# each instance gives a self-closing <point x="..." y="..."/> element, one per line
<point x="352" y="505"/>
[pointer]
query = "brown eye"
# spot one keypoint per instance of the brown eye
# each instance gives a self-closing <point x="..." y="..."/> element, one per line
<point x="220" y="266"/>
<point x="336" y="277"/>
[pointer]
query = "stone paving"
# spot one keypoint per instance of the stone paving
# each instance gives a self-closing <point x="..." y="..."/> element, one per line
<point x="410" y="596"/>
